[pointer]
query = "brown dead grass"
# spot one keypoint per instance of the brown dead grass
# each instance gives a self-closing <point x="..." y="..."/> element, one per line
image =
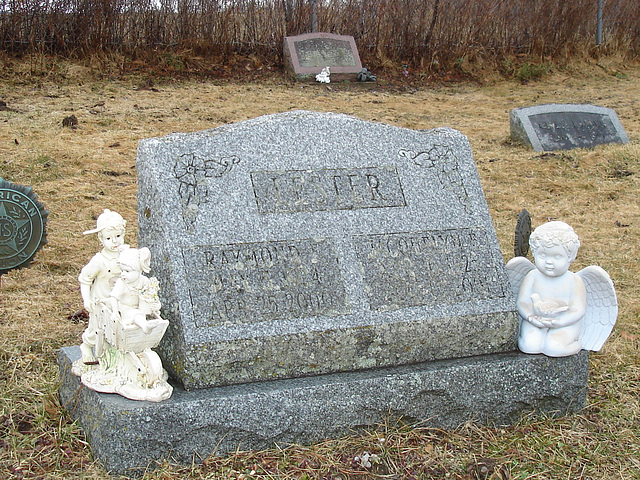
<point x="78" y="172"/>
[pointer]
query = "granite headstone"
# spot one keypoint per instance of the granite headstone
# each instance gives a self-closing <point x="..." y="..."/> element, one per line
<point x="565" y="126"/>
<point x="129" y="437"/>
<point x="308" y="243"/>
<point x="357" y="258"/>
<point x="306" y="55"/>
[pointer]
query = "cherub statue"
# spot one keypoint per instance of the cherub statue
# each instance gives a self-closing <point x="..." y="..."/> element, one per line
<point x="98" y="277"/>
<point x="561" y="312"/>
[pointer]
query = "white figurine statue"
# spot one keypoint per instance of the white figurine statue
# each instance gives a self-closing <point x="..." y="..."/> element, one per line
<point x="125" y="325"/>
<point x="99" y="276"/>
<point x="135" y="297"/>
<point x="324" y="76"/>
<point x="561" y="312"/>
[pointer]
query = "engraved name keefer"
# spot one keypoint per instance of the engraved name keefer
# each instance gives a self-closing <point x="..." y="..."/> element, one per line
<point x="328" y="189"/>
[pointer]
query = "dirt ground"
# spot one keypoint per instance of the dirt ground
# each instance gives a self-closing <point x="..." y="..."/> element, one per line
<point x="77" y="172"/>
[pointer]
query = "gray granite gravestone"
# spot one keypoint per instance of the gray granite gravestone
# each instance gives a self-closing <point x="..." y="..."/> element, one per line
<point x="306" y="55"/>
<point x="320" y="273"/>
<point x="308" y="243"/>
<point x="565" y="126"/>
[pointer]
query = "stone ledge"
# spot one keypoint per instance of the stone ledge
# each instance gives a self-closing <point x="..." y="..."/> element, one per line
<point x="127" y="436"/>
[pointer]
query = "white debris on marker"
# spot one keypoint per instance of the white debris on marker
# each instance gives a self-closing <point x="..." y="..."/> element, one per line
<point x="323" y="76"/>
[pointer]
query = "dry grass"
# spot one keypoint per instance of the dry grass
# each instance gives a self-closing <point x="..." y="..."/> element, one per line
<point x="78" y="172"/>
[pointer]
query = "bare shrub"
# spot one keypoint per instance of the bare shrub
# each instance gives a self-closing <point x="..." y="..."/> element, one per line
<point x="416" y="32"/>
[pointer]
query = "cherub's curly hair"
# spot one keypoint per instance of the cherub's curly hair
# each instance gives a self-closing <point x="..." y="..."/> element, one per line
<point x="555" y="233"/>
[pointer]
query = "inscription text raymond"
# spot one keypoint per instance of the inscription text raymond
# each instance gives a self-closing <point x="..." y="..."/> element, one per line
<point x="428" y="268"/>
<point x="328" y="189"/>
<point x="257" y="282"/>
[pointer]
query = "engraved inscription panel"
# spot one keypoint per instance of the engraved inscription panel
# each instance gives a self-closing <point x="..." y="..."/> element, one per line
<point x="320" y="52"/>
<point x="328" y="189"/>
<point x="428" y="268"/>
<point x="257" y="282"/>
<point x="567" y="130"/>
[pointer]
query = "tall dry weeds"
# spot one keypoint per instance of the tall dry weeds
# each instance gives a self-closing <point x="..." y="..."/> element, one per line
<point x="432" y="33"/>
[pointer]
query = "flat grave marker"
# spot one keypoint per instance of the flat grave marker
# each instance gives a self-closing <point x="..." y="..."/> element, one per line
<point x="565" y="126"/>
<point x="306" y="55"/>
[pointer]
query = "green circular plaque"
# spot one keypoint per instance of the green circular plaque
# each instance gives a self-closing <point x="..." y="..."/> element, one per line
<point x="23" y="221"/>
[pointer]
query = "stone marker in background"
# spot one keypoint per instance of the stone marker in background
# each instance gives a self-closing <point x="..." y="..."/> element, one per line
<point x="320" y="273"/>
<point x="522" y="234"/>
<point x="306" y="55"/>
<point x="565" y="126"/>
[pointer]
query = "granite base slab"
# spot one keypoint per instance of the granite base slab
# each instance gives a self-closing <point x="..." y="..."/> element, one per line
<point x="128" y="436"/>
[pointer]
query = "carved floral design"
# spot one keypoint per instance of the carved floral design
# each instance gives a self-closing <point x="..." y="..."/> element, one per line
<point x="447" y="166"/>
<point x="188" y="169"/>
<point x="192" y="172"/>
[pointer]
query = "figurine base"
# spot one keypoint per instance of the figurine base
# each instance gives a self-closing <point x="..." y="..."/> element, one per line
<point x="127" y="436"/>
<point x="134" y="376"/>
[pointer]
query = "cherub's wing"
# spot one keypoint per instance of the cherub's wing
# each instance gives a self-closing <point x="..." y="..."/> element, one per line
<point x="517" y="269"/>
<point x="602" y="308"/>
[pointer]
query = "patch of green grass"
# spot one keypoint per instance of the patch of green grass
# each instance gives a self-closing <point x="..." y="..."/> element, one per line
<point x="105" y="122"/>
<point x="532" y="71"/>
<point x="174" y="62"/>
<point x="524" y="72"/>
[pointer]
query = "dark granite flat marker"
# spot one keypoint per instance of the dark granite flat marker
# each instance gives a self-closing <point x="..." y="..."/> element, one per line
<point x="565" y="126"/>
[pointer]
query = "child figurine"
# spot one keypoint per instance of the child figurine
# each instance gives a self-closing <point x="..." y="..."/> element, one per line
<point x="98" y="277"/>
<point x="561" y="312"/>
<point x="134" y="296"/>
